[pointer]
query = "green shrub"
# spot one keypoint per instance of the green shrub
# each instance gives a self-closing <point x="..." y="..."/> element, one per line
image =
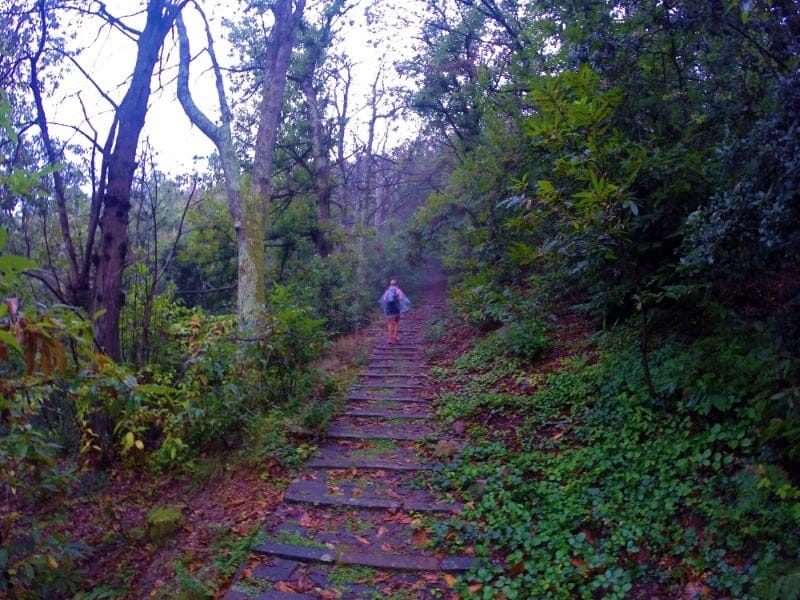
<point x="525" y="340"/>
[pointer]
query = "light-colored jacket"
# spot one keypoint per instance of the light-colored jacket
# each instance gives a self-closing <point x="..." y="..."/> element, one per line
<point x="405" y="303"/>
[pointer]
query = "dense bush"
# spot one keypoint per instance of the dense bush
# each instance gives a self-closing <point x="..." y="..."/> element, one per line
<point x="61" y="403"/>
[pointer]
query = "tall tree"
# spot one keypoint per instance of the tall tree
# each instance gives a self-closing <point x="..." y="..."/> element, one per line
<point x="287" y="18"/>
<point x="315" y="42"/>
<point x="248" y="207"/>
<point x="102" y="294"/>
<point x="119" y="167"/>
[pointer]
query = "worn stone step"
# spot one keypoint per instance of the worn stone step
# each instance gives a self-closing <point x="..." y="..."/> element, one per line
<point x="388" y="385"/>
<point x="356" y="396"/>
<point x="398" y="354"/>
<point x="371" y="454"/>
<point x="394" y="374"/>
<point x="380" y="432"/>
<point x="375" y="559"/>
<point x="234" y="594"/>
<point x="387" y="364"/>
<point x="380" y="370"/>
<point x="314" y="492"/>
<point x="344" y="462"/>
<point x="388" y="413"/>
<point x="410" y="345"/>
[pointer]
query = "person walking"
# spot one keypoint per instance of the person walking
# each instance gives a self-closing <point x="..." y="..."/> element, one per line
<point x="394" y="303"/>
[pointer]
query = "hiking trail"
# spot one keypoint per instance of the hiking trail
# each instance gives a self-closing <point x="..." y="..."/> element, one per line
<point x="350" y="526"/>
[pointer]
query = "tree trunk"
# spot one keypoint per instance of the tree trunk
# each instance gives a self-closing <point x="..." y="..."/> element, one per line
<point x="321" y="162"/>
<point x="245" y="208"/>
<point x="279" y="52"/>
<point x="78" y="291"/>
<point x="130" y="117"/>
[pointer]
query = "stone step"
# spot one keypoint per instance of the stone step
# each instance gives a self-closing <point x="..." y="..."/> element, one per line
<point x="394" y="374"/>
<point x="369" y="454"/>
<point x="388" y="561"/>
<point x="395" y="353"/>
<point x="388" y="385"/>
<point x="390" y="366"/>
<point x="387" y="413"/>
<point x="364" y="464"/>
<point x="412" y="433"/>
<point x="374" y="397"/>
<point x="317" y="493"/>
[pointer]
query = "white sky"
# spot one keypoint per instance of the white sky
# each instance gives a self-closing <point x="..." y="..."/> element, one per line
<point x="109" y="58"/>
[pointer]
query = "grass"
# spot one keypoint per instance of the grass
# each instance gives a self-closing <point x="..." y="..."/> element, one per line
<point x="377" y="448"/>
<point x="295" y="539"/>
<point x="343" y="575"/>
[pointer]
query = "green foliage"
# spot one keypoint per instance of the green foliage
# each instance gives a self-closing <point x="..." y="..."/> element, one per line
<point x="38" y="565"/>
<point x="609" y="484"/>
<point x="206" y="262"/>
<point x="781" y="582"/>
<point x="521" y="341"/>
<point x="34" y="561"/>
<point x="296" y="339"/>
<point x="148" y="322"/>
<point x="190" y="587"/>
<point x="231" y="551"/>
<point x="161" y="522"/>
<point x="465" y="405"/>
<point x="525" y="340"/>
<point x="750" y="226"/>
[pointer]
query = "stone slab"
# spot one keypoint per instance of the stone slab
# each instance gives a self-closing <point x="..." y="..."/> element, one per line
<point x="385" y="413"/>
<point x="356" y="396"/>
<point x="276" y="595"/>
<point x="393" y="562"/>
<point x="394" y="373"/>
<point x="294" y="552"/>
<point x="458" y="564"/>
<point x="377" y="433"/>
<point x="277" y="572"/>
<point x="316" y="493"/>
<point x="348" y="463"/>
<point x="358" y="502"/>
<point x="388" y="385"/>
<point x="384" y="365"/>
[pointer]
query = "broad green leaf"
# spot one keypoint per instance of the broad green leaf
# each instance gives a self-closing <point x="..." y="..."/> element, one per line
<point x="10" y="341"/>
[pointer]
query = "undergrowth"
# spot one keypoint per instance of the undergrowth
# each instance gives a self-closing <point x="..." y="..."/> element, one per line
<point x="607" y="492"/>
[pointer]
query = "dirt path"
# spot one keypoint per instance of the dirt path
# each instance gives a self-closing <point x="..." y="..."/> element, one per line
<point x="355" y="523"/>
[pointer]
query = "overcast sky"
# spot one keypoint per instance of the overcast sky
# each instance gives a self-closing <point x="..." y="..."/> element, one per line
<point x="109" y="58"/>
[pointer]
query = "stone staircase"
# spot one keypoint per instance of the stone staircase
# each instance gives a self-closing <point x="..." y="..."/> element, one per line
<point x="355" y="523"/>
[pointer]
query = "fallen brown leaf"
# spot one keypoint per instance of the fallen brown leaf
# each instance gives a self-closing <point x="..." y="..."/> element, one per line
<point x="420" y="538"/>
<point x="578" y="563"/>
